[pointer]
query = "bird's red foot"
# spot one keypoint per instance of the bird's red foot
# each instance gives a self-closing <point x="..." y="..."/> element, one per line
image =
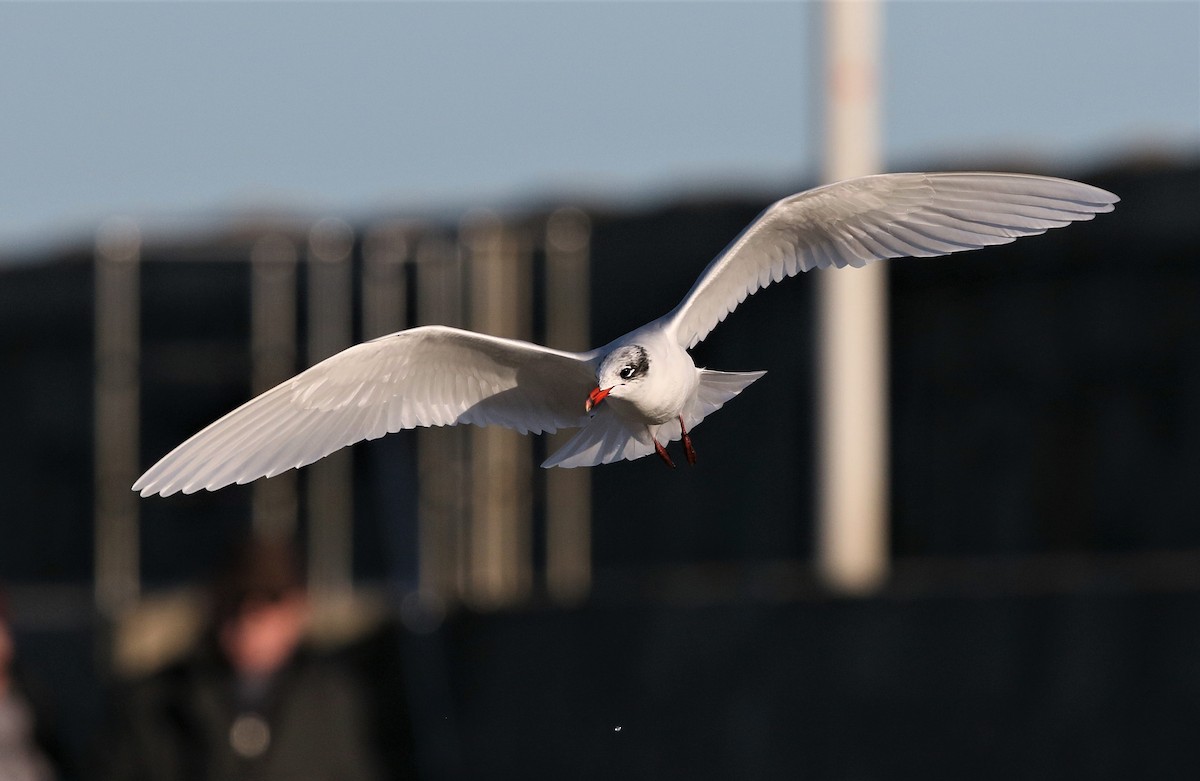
<point x="662" y="453"/>
<point x="688" y="450"/>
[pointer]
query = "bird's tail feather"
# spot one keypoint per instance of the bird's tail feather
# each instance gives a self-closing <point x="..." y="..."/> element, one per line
<point x="715" y="389"/>
<point x="607" y="437"/>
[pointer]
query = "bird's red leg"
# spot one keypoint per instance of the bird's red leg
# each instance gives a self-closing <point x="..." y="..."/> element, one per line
<point x="662" y="453"/>
<point x="688" y="450"/>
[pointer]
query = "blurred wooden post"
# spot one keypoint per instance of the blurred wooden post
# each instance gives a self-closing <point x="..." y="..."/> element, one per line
<point x="852" y="537"/>
<point x="117" y="407"/>
<point x="384" y="289"/>
<point x="330" y="480"/>
<point x="441" y="452"/>
<point x="275" y="503"/>
<point x="568" y="491"/>
<point x="500" y="546"/>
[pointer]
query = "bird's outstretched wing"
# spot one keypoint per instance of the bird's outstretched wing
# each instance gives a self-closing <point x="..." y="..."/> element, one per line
<point x="428" y="376"/>
<point x="857" y="221"/>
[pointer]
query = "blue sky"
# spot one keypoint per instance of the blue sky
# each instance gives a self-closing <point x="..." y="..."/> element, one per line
<point x="195" y="110"/>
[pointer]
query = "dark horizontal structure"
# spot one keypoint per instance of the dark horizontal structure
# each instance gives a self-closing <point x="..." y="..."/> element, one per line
<point x="1041" y="620"/>
<point x="1071" y="685"/>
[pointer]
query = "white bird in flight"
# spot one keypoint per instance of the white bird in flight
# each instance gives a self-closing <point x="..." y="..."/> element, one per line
<point x="639" y="391"/>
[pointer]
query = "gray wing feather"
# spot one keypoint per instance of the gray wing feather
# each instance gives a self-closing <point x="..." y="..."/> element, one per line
<point x="429" y="376"/>
<point x="858" y="221"/>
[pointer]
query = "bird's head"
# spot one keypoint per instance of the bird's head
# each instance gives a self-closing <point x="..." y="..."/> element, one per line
<point x="620" y="370"/>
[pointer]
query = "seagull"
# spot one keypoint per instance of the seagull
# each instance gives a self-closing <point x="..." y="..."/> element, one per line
<point x="637" y="393"/>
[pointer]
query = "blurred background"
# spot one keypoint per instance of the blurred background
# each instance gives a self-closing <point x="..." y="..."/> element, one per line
<point x="199" y="200"/>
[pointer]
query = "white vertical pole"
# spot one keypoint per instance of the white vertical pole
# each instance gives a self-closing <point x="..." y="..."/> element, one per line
<point x="852" y="537"/>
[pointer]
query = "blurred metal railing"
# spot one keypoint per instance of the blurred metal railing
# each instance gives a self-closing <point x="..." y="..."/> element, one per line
<point x="117" y="398"/>
<point x="330" y="496"/>
<point x="275" y="511"/>
<point x="499" y="268"/>
<point x="476" y="486"/>
<point x="568" y="491"/>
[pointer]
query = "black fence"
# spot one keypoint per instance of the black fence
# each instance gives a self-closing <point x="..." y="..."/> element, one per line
<point x="1042" y="620"/>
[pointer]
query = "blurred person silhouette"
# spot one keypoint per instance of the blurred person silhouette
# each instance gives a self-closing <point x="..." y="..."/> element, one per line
<point x="29" y="750"/>
<point x="252" y="701"/>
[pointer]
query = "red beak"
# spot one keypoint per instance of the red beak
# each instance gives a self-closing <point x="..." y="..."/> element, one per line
<point x="595" y="397"/>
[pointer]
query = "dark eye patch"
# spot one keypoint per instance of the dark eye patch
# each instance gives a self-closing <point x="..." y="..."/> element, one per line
<point x="634" y="362"/>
